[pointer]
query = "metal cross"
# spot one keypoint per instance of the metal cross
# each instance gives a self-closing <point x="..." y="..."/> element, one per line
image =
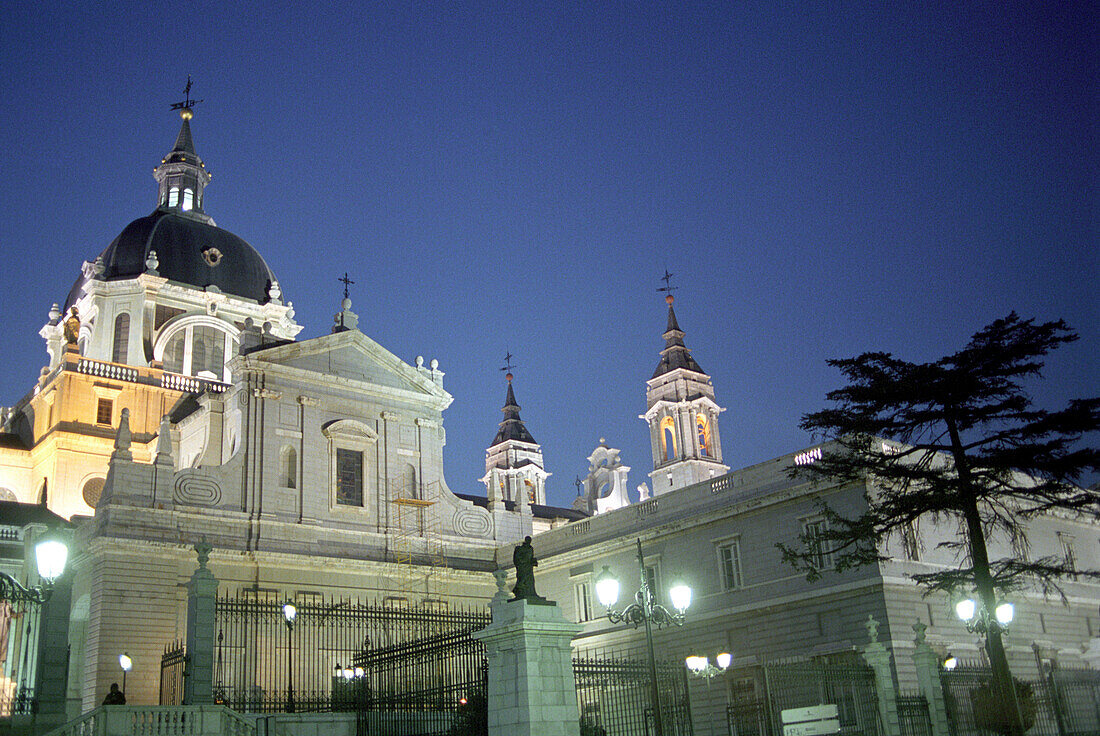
<point x="508" y="365"/>
<point x="668" y="288"/>
<point x="346" y="282"/>
<point x="187" y="102"/>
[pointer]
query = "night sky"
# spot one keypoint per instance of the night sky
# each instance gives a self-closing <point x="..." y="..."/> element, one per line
<point x="822" y="180"/>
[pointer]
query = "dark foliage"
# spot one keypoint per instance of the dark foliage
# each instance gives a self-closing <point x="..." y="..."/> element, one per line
<point x="957" y="442"/>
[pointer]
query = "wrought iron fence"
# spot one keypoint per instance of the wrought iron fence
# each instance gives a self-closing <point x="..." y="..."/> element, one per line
<point x="913" y="716"/>
<point x="1063" y="702"/>
<point x="802" y="683"/>
<point x="172" y="664"/>
<point x="260" y="662"/>
<point x="613" y="694"/>
<point x="430" y="686"/>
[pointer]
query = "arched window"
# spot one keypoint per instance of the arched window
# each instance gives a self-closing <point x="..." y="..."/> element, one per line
<point x="668" y="439"/>
<point x="122" y="338"/>
<point x="408" y="482"/>
<point x="188" y="200"/>
<point x="173" y="196"/>
<point x="289" y="468"/>
<point x="197" y="349"/>
<point x="703" y="428"/>
<point x="173" y="353"/>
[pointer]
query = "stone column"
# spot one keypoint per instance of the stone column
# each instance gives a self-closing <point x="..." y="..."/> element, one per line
<point x="53" y="657"/>
<point x="928" y="675"/>
<point x="198" y="679"/>
<point x="531" y="687"/>
<point x="878" y="657"/>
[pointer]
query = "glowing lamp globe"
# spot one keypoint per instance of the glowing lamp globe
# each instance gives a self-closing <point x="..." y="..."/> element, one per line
<point x="1005" y="612"/>
<point x="680" y="595"/>
<point x="724" y="659"/>
<point x="125" y="662"/>
<point x="696" y="664"/>
<point x="607" y="588"/>
<point x="51" y="556"/>
<point x="290" y="611"/>
<point x="965" y="609"/>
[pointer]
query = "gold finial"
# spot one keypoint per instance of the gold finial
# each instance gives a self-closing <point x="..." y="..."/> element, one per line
<point x="185" y="113"/>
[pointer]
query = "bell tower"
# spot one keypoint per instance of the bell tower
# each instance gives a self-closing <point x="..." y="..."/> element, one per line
<point x="682" y="416"/>
<point x="513" y="463"/>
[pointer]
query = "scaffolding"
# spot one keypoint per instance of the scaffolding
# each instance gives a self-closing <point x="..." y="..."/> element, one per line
<point x="416" y="533"/>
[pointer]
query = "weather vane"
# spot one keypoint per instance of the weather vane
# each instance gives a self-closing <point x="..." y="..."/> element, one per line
<point x="579" y="484"/>
<point x="668" y="288"/>
<point x="187" y="103"/>
<point x="346" y="282"/>
<point x="508" y="365"/>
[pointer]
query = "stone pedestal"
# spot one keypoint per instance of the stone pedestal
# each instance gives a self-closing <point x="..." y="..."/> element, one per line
<point x="878" y="657"/>
<point x="531" y="686"/>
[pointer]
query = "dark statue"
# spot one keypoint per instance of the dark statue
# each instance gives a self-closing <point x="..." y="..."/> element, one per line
<point x="72" y="327"/>
<point x="524" y="559"/>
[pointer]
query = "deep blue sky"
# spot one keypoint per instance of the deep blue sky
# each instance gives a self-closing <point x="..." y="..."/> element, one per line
<point x="822" y="179"/>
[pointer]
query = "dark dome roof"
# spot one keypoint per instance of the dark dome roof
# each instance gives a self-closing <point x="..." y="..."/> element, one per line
<point x="181" y="243"/>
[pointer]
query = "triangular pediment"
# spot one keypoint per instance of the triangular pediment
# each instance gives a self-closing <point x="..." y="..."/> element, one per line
<point x="353" y="357"/>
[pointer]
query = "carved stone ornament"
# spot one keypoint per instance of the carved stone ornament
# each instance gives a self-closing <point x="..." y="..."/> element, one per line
<point x="212" y="256"/>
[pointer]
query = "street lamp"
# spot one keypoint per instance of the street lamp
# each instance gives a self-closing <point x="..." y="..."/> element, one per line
<point x="701" y="666"/>
<point x="50" y="555"/>
<point x="126" y="664"/>
<point x="977" y="618"/>
<point x="290" y="612"/>
<point x="645" y="610"/>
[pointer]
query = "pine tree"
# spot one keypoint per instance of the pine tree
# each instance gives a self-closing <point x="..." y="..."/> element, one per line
<point x="955" y="440"/>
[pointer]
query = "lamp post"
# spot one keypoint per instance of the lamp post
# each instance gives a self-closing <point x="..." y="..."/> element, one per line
<point x="644" y="610"/>
<point x="126" y="664"/>
<point x="290" y="612"/>
<point x="50" y="555"/>
<point x="977" y="617"/>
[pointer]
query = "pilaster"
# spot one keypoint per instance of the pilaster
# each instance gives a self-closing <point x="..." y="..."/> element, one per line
<point x="878" y="657"/>
<point x="928" y="677"/>
<point x="198" y="687"/>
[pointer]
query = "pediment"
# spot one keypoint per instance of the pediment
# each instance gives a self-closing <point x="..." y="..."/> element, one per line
<point x="354" y="357"/>
<point x="349" y="429"/>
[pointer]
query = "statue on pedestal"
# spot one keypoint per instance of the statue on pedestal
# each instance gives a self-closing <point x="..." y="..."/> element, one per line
<point x="524" y="559"/>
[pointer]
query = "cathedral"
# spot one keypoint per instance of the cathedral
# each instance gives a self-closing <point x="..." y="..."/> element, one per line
<point x="179" y="406"/>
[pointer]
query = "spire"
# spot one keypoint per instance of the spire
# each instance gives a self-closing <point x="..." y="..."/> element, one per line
<point x="512" y="428"/>
<point x="182" y="176"/>
<point x="676" y="354"/>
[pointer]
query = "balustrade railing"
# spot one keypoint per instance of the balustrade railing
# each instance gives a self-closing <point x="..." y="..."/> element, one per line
<point x="139" y="720"/>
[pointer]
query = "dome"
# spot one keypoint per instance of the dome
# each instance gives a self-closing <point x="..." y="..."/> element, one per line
<point x="189" y="251"/>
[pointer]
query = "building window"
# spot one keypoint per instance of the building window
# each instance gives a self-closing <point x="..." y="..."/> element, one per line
<point x="199" y="350"/>
<point x="653" y="580"/>
<point x="667" y="430"/>
<point x="582" y="597"/>
<point x="1019" y="544"/>
<point x="729" y="564"/>
<point x="910" y="545"/>
<point x="813" y="531"/>
<point x="349" y="477"/>
<point x="122" y="338"/>
<point x="103" y="411"/>
<point x="289" y="468"/>
<point x="188" y="200"/>
<point x="1069" y="558"/>
<point x="173" y="196"/>
<point x="92" y="490"/>
<point x="703" y="429"/>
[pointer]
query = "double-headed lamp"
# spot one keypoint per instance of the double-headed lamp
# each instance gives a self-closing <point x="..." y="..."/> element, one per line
<point x="607" y="588"/>
<point x="51" y="556"/>
<point x="697" y="664"/>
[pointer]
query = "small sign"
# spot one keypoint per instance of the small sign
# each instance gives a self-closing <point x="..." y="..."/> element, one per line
<point x="812" y="728"/>
<point x="813" y="713"/>
<point x="817" y="720"/>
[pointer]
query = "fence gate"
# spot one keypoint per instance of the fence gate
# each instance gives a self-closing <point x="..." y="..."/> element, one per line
<point x="432" y="686"/>
<point x="172" y="663"/>
<point x="614" y="697"/>
<point x="801" y="684"/>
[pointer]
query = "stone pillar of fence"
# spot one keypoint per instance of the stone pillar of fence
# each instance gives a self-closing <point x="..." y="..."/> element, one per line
<point x="198" y="671"/>
<point x="928" y="676"/>
<point x="532" y="691"/>
<point x="878" y="656"/>
<point x="53" y="657"/>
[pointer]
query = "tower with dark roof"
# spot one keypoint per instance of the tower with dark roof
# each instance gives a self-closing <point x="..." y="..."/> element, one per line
<point x="682" y="416"/>
<point x="513" y="463"/>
